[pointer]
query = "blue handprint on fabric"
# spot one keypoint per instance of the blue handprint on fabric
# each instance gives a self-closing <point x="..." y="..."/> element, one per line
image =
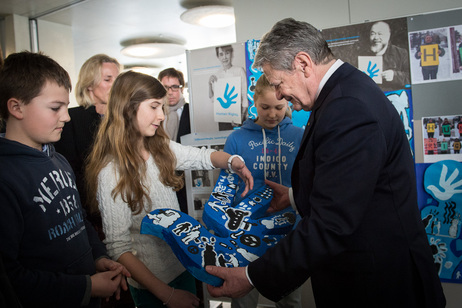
<point x="372" y="70"/>
<point x="229" y="98"/>
<point x="241" y="233"/>
<point x="443" y="182"/>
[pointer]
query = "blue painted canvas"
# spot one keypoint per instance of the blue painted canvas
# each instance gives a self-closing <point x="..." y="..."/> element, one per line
<point x="235" y="235"/>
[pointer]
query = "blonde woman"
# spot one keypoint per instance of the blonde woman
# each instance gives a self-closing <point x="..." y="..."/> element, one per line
<point x="92" y="91"/>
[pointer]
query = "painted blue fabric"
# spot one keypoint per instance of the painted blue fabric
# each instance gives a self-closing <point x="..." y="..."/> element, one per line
<point x="241" y="233"/>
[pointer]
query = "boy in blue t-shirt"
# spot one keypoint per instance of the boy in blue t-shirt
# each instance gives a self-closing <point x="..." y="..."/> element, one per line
<point x="51" y="254"/>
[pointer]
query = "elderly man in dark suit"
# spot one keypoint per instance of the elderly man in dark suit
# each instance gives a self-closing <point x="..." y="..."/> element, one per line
<point x="361" y="238"/>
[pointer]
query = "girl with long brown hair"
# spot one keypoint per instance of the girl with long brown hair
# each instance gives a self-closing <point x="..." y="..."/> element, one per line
<point x="130" y="172"/>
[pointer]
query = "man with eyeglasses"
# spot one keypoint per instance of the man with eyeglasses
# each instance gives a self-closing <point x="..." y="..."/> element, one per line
<point x="177" y="122"/>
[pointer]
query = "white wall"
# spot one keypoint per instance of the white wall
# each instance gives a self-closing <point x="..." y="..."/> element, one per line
<point x="16" y="34"/>
<point x="55" y="40"/>
<point x="255" y="18"/>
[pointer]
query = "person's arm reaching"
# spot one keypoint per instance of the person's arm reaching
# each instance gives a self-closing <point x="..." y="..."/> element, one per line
<point x="169" y="296"/>
<point x="220" y="160"/>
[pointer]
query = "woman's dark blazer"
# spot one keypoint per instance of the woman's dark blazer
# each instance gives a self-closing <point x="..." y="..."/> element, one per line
<point x="185" y="123"/>
<point x="76" y="142"/>
<point x="361" y="238"/>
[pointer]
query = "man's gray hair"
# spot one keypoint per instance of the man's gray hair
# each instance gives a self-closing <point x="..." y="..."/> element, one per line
<point x="286" y="39"/>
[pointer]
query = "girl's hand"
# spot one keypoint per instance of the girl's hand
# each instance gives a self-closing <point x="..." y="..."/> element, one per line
<point x="182" y="299"/>
<point x="244" y="173"/>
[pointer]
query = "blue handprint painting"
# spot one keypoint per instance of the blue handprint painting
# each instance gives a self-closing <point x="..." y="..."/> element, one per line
<point x="441" y="210"/>
<point x="227" y="101"/>
<point x="229" y="97"/>
<point x="372" y="66"/>
<point x="235" y="234"/>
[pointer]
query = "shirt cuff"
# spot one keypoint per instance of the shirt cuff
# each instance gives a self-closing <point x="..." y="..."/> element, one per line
<point x="247" y="275"/>
<point x="292" y="201"/>
<point x="87" y="296"/>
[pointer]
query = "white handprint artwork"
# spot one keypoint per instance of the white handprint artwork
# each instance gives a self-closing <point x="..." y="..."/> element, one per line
<point x="448" y="187"/>
<point x="443" y="182"/>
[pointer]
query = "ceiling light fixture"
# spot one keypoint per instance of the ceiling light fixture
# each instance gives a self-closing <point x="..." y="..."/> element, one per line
<point x="149" y="48"/>
<point x="148" y="69"/>
<point x="211" y="16"/>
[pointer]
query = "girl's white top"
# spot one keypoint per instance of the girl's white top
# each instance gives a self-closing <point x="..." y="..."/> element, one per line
<point x="122" y="227"/>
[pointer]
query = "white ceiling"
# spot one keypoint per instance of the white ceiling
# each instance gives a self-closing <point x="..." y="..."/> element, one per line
<point x="99" y="26"/>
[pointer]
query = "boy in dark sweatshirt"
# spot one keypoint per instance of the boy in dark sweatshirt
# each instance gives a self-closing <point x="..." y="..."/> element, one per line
<point x="52" y="255"/>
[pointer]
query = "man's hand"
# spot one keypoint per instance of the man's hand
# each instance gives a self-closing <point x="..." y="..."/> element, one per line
<point x="235" y="282"/>
<point x="388" y="75"/>
<point x="213" y="79"/>
<point x="280" y="199"/>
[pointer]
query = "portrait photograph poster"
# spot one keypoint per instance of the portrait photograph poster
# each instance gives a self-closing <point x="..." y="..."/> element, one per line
<point x="356" y="45"/>
<point x="440" y="52"/>
<point x="202" y="64"/>
<point x="442" y="137"/>
<point x="374" y="48"/>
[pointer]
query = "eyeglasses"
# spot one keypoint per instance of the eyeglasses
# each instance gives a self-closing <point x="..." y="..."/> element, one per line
<point x="174" y="88"/>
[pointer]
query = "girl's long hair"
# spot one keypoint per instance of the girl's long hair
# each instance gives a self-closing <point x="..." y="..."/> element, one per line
<point x="118" y="138"/>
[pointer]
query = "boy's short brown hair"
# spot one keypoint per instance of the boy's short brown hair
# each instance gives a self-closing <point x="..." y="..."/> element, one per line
<point x="23" y="76"/>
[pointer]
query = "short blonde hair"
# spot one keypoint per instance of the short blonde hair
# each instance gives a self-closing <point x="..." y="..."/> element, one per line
<point x="90" y="75"/>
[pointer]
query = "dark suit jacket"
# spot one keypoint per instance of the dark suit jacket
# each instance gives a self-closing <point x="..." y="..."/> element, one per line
<point x="185" y="123"/>
<point x="361" y="238"/>
<point x="76" y="142"/>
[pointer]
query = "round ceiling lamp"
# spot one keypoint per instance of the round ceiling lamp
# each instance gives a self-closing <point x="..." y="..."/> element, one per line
<point x="151" y="48"/>
<point x="148" y="69"/>
<point x="211" y="16"/>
